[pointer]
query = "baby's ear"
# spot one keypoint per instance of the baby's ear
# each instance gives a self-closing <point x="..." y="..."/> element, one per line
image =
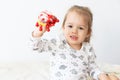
<point x="88" y="37"/>
<point x="63" y="27"/>
<point x="89" y="33"/>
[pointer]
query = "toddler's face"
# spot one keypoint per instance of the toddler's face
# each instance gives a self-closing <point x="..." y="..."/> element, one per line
<point x="75" y="29"/>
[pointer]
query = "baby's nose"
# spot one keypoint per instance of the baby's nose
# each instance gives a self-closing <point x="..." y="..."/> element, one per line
<point x="74" y="30"/>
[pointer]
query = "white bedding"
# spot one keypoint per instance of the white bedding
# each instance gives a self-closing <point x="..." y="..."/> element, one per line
<point x="38" y="70"/>
<point x="24" y="71"/>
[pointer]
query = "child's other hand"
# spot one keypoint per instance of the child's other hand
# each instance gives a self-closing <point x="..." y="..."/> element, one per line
<point x="104" y="77"/>
<point x="113" y="77"/>
<point x="108" y="77"/>
<point x="37" y="33"/>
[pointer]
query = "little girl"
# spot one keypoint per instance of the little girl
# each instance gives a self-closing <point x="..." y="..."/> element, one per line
<point x="72" y="57"/>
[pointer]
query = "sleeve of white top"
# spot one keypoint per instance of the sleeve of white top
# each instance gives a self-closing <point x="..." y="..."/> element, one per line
<point x="94" y="70"/>
<point x="41" y="45"/>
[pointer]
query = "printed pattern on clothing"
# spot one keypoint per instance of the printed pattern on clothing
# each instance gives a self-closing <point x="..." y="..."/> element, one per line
<point x="67" y="63"/>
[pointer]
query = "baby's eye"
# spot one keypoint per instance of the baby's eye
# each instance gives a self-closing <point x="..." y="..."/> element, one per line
<point x="70" y="26"/>
<point x="81" y="28"/>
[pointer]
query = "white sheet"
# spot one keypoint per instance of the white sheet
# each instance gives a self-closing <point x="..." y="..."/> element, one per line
<point x="38" y="70"/>
<point x="24" y="71"/>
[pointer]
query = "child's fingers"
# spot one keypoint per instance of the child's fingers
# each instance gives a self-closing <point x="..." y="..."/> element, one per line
<point x="103" y="77"/>
<point x="37" y="29"/>
<point x="44" y="29"/>
<point x="113" y="77"/>
<point x="37" y="32"/>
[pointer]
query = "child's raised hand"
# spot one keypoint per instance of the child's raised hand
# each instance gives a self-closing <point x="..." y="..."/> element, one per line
<point x="37" y="33"/>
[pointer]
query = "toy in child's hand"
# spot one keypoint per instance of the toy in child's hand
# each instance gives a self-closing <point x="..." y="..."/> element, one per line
<point x="46" y="19"/>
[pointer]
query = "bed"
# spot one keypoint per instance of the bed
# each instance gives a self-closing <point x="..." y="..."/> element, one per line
<point x="39" y="70"/>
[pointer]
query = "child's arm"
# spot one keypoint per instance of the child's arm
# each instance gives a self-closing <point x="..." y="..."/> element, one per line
<point x="45" y="21"/>
<point x="94" y="70"/>
<point x="41" y="45"/>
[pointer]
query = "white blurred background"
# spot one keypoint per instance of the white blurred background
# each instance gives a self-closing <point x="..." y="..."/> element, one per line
<point x="18" y="17"/>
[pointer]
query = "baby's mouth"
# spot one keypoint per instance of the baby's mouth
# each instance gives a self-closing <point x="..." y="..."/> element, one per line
<point x="74" y="38"/>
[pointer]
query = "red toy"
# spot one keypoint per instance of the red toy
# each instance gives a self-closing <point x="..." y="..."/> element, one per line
<point x="46" y="19"/>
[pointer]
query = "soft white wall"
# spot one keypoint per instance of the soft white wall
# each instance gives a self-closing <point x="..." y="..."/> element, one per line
<point x="18" y="17"/>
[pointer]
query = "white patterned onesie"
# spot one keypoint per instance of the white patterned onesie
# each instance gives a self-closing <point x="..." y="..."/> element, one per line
<point x="67" y="63"/>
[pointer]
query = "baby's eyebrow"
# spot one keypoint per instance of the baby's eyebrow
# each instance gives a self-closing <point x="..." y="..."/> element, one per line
<point x="83" y="26"/>
<point x="69" y="23"/>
